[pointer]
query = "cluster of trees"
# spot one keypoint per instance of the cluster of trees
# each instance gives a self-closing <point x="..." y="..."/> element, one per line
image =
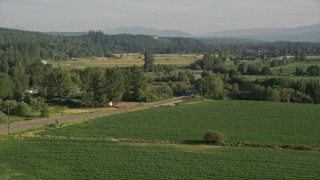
<point x="94" y="86"/>
<point x="209" y="62"/>
<point x="259" y="68"/>
<point x="217" y="65"/>
<point x="90" y="87"/>
<point x="230" y="85"/>
<point x="277" y="89"/>
<point x="271" y="89"/>
<point x="313" y="70"/>
<point x="179" y="81"/>
<point x="98" y="86"/>
<point x="210" y="85"/>
<point x="26" y="108"/>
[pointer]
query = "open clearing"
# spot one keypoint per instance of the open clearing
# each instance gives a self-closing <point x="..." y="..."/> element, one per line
<point x="127" y="60"/>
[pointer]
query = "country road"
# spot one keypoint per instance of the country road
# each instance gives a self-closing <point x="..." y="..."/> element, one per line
<point x="46" y="121"/>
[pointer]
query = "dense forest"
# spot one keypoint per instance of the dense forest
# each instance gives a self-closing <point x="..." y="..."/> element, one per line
<point x="93" y="44"/>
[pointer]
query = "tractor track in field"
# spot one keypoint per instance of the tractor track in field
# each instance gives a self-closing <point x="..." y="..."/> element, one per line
<point x="47" y="121"/>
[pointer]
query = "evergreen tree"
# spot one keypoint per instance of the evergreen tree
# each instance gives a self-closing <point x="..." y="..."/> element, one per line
<point x="114" y="84"/>
<point x="148" y="62"/>
<point x="20" y="80"/>
<point x="135" y="84"/>
<point x="6" y="86"/>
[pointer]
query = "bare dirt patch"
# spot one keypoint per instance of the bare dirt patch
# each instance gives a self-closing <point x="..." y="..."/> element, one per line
<point x="80" y="110"/>
<point x="127" y="104"/>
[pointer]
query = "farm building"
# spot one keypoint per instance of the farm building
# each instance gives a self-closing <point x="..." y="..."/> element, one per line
<point x="45" y="62"/>
<point x="31" y="91"/>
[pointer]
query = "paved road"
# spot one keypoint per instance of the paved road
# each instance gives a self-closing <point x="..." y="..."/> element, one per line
<point x="41" y="122"/>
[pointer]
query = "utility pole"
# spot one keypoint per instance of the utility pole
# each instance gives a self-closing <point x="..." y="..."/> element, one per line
<point x="8" y="122"/>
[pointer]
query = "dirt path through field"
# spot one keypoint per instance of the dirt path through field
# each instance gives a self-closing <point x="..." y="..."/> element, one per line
<point x="47" y="121"/>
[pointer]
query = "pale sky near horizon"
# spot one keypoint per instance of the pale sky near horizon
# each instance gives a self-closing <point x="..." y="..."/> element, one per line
<point x="193" y="16"/>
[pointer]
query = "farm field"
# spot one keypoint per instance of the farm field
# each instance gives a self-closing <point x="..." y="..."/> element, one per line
<point x="313" y="57"/>
<point x="91" y="159"/>
<point x="126" y="60"/>
<point x="241" y="121"/>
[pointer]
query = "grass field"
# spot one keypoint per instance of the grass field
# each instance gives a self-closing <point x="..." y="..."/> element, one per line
<point x="126" y="60"/>
<point x="240" y="121"/>
<point x="55" y="111"/>
<point x="89" y="159"/>
<point x="262" y="77"/>
<point x="313" y="57"/>
<point x="290" y="68"/>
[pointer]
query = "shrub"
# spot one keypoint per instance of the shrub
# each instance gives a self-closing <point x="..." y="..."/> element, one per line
<point x="22" y="109"/>
<point x="273" y="95"/>
<point x="302" y="148"/>
<point x="214" y="137"/>
<point x="44" y="111"/>
<point x="195" y="98"/>
<point x="55" y="124"/>
<point x="3" y="118"/>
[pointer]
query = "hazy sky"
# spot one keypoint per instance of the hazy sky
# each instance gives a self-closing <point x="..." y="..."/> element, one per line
<point x="194" y="16"/>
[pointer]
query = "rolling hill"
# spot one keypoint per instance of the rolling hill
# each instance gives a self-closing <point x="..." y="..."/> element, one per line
<point x="135" y="30"/>
<point x="310" y="33"/>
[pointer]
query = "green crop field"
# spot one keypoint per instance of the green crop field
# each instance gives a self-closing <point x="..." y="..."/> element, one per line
<point x="240" y="121"/>
<point x="91" y="150"/>
<point x="91" y="159"/>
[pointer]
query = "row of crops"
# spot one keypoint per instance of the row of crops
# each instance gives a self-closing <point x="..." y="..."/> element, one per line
<point x="83" y="159"/>
<point x="241" y="121"/>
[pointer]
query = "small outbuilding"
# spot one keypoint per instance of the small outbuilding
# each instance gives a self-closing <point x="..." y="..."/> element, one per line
<point x="110" y="104"/>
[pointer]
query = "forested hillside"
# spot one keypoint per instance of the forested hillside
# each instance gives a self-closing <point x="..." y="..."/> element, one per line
<point x="98" y="44"/>
<point x="22" y="45"/>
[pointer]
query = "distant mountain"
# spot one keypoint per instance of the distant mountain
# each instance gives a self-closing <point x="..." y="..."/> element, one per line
<point x="149" y="31"/>
<point x="134" y="30"/>
<point x="16" y="28"/>
<point x="309" y="33"/>
<point x="305" y="37"/>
